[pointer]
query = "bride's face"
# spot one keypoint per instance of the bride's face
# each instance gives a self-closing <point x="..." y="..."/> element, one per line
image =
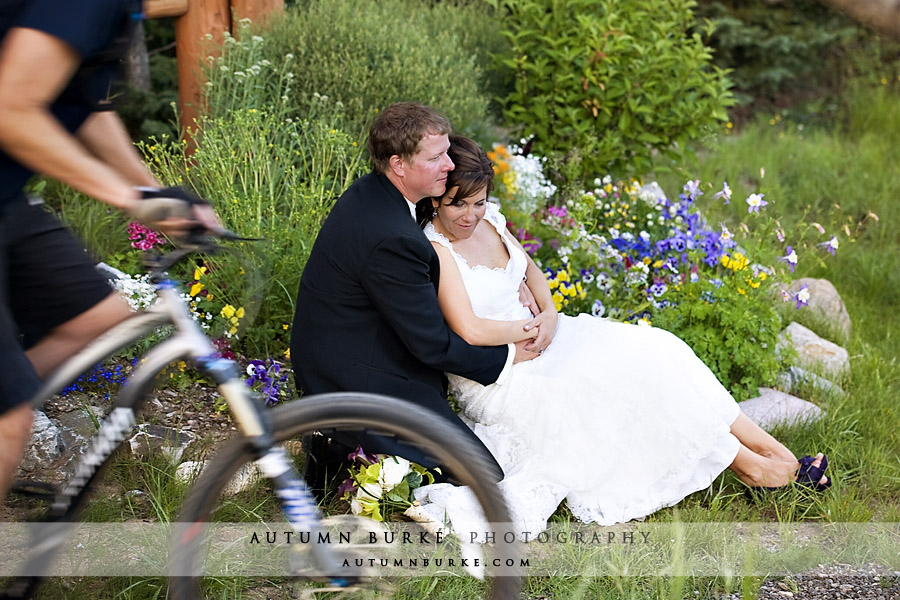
<point x="457" y="218"/>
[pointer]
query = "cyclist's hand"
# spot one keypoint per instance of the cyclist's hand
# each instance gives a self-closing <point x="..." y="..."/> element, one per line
<point x="174" y="211"/>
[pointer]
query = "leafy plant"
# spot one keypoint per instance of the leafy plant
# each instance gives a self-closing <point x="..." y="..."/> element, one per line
<point x="367" y="54"/>
<point x="616" y="80"/>
<point x="271" y="175"/>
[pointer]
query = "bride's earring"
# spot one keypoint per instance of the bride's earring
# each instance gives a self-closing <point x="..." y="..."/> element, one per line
<point x="434" y="213"/>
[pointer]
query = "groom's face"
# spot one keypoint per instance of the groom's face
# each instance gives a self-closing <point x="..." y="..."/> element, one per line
<point x="425" y="173"/>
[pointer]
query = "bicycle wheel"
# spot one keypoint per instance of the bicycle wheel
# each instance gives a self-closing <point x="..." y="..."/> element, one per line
<point x="339" y="412"/>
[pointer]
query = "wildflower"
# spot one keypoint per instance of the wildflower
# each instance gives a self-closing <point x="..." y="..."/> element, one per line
<point x="598" y="309"/>
<point x="831" y="245"/>
<point x="802" y="296"/>
<point x="692" y="189"/>
<point x="725" y="193"/>
<point x="658" y="288"/>
<point x="790" y="258"/>
<point x="755" y="202"/>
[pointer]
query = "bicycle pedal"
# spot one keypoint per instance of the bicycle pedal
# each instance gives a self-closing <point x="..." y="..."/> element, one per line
<point x="39" y="490"/>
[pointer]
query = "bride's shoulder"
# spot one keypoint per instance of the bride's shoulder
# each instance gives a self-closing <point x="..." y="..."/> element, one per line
<point x="492" y="213"/>
<point x="434" y="237"/>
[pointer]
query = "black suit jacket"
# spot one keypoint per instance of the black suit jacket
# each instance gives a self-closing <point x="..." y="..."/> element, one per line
<point x="367" y="317"/>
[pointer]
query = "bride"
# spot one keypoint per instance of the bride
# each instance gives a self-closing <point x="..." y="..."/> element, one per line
<point x="617" y="420"/>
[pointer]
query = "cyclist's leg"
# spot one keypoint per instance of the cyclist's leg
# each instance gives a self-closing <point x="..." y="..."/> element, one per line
<point x="58" y="299"/>
<point x="15" y="431"/>
<point x="18" y="381"/>
<point x="73" y="335"/>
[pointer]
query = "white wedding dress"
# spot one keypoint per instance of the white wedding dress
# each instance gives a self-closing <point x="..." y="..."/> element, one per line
<point x="618" y="420"/>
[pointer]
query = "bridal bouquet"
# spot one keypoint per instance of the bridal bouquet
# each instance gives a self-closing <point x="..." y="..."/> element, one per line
<point x="381" y="484"/>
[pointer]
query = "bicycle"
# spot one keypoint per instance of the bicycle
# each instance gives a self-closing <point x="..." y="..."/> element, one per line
<point x="261" y="435"/>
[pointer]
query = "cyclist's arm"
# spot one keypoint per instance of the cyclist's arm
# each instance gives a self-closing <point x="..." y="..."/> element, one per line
<point x="104" y="135"/>
<point x="34" y="68"/>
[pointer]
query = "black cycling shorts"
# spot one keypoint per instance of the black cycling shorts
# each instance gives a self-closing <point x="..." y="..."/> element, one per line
<point x="46" y="279"/>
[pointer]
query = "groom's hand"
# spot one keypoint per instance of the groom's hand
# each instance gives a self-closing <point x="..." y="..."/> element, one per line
<point x="522" y="354"/>
<point x="526" y="298"/>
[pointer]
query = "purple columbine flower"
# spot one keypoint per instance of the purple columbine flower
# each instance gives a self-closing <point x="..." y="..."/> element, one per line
<point x="755" y="202"/>
<point x="725" y="193"/>
<point x="692" y="189"/>
<point x="802" y="296"/>
<point x="831" y="245"/>
<point x="790" y="258"/>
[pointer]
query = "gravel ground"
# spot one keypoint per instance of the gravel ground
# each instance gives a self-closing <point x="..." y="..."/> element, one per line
<point x="833" y="582"/>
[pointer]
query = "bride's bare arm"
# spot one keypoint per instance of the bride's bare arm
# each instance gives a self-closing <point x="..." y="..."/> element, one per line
<point x="457" y="308"/>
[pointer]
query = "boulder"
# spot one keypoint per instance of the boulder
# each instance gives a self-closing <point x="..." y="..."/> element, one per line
<point x="795" y="379"/>
<point x="813" y="352"/>
<point x="826" y="303"/>
<point x="246" y="476"/>
<point x="772" y="408"/>
<point x="46" y="446"/>
<point x="157" y="438"/>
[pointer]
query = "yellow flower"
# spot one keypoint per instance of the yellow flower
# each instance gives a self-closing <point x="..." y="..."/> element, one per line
<point x="762" y="276"/>
<point x="646" y="260"/>
<point x="228" y="311"/>
<point x="562" y="276"/>
<point x="196" y="288"/>
<point x="240" y="313"/>
<point x="657" y="264"/>
<point x="285" y="326"/>
<point x="552" y="284"/>
<point x="741" y="291"/>
<point x="287" y="353"/>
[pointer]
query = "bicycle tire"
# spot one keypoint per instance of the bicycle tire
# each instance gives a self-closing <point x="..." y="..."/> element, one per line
<point x="347" y="411"/>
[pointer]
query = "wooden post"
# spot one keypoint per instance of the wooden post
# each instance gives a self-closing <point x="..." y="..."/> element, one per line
<point x="203" y="17"/>
<point x="255" y="10"/>
<point x="196" y="20"/>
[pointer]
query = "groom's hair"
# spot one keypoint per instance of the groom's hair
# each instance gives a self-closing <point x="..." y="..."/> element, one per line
<point x="399" y="129"/>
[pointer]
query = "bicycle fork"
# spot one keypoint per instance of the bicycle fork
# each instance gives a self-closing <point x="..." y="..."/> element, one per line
<point x="297" y="501"/>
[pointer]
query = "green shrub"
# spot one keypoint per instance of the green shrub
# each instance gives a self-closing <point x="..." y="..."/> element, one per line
<point x="271" y="176"/>
<point x="367" y="54"/>
<point x="796" y="51"/>
<point x="616" y="80"/>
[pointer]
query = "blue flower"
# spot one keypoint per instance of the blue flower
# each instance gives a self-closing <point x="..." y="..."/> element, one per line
<point x="725" y="193"/>
<point x="802" y="296"/>
<point x="790" y="258"/>
<point x="755" y="202"/>
<point x="692" y="188"/>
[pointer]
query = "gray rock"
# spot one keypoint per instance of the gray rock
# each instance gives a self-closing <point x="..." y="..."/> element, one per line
<point x="46" y="446"/>
<point x="813" y="352"/>
<point x="772" y="408"/>
<point x="157" y="438"/>
<point x="795" y="377"/>
<point x="246" y="476"/>
<point x="825" y="301"/>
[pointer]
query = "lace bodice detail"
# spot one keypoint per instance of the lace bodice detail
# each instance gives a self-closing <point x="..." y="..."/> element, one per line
<point x="493" y="292"/>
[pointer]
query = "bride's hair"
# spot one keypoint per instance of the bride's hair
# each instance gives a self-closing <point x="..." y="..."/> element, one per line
<point x="472" y="171"/>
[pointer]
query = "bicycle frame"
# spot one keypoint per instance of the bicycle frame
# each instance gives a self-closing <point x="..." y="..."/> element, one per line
<point x="187" y="343"/>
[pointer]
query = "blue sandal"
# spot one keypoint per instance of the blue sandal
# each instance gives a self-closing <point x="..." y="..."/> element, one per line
<point x="809" y="476"/>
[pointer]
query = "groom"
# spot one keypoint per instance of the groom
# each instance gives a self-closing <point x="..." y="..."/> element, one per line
<point x="367" y="316"/>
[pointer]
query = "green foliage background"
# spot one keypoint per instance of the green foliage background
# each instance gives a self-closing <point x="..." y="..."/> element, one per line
<point x="619" y="81"/>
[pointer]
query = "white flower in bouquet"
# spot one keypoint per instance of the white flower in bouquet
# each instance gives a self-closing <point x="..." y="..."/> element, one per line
<point x="393" y="470"/>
